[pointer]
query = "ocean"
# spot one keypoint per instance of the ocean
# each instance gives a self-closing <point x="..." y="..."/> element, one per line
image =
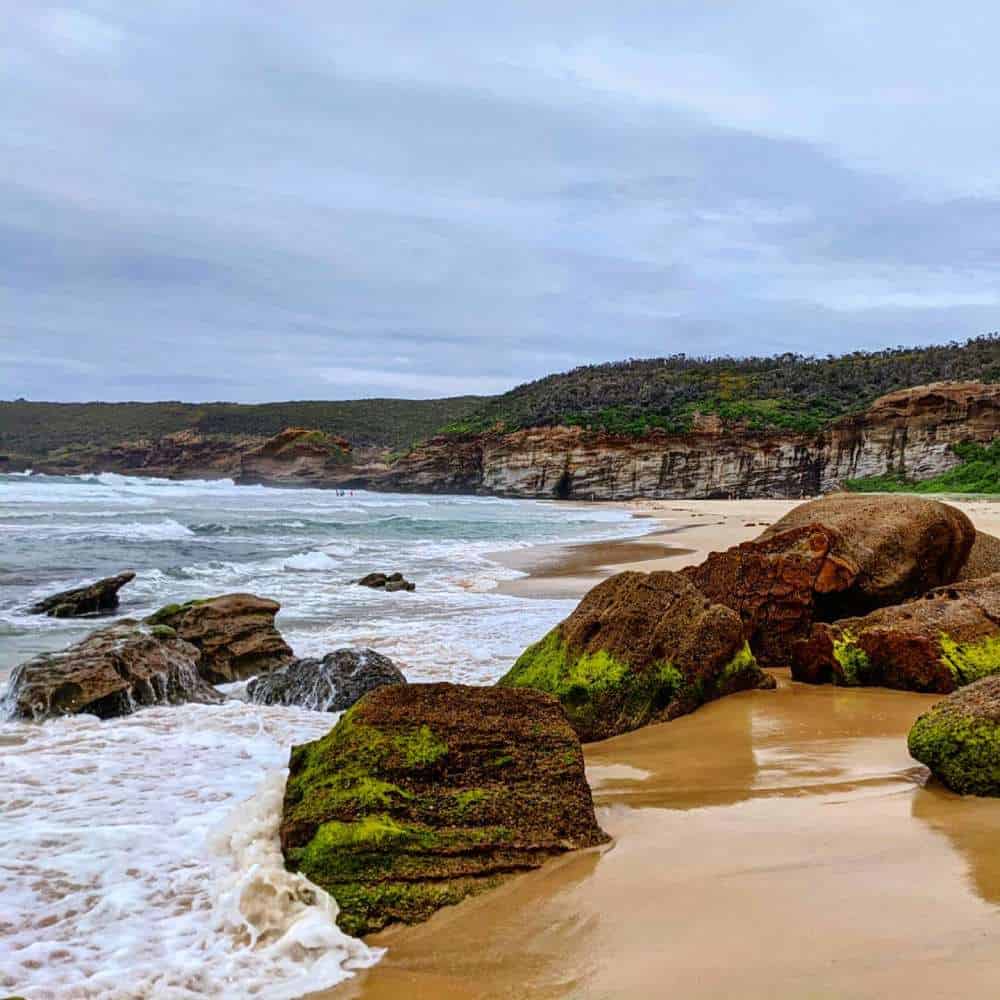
<point x="141" y="855"/>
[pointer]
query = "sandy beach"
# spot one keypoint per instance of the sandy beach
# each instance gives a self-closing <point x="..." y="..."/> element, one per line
<point x="772" y="844"/>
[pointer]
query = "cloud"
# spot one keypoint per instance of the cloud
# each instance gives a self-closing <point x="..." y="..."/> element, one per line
<point x="277" y="201"/>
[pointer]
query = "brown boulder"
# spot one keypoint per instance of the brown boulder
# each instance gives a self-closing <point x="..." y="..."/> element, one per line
<point x="939" y="642"/>
<point x="111" y="672"/>
<point x="235" y="634"/>
<point x="96" y="598"/>
<point x="425" y="793"/>
<point x="639" y="648"/>
<point x="830" y="558"/>
<point x="984" y="557"/>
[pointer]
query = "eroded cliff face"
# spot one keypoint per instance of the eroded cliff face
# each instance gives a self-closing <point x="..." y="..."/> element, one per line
<point x="302" y="457"/>
<point x="910" y="431"/>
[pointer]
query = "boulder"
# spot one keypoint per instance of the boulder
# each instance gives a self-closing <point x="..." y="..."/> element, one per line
<point x="425" y="793"/>
<point x="96" y="598"/>
<point x="331" y="684"/>
<point x="840" y="556"/>
<point x="959" y="739"/>
<point x="639" y="648"/>
<point x="111" y="672"/>
<point x="235" y="634"/>
<point x="939" y="642"/>
<point x="390" y="583"/>
<point x="984" y="558"/>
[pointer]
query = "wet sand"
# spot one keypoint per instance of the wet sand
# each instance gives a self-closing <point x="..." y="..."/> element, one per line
<point x="774" y="844"/>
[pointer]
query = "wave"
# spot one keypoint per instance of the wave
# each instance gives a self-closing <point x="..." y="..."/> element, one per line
<point x="178" y="886"/>
<point x="312" y="562"/>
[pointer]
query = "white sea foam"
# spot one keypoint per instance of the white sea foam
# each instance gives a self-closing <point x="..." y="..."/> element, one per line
<point x="141" y="860"/>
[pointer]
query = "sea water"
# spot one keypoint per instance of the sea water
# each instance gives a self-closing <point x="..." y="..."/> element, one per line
<point x="140" y="854"/>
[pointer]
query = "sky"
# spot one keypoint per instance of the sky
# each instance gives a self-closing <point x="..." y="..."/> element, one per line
<point x="327" y="200"/>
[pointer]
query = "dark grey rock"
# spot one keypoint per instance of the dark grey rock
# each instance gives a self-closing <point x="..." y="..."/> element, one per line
<point x="332" y="684"/>
<point x="388" y="583"/>
<point x="94" y="599"/>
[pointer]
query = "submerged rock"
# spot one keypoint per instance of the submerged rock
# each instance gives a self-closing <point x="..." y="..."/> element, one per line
<point x="959" y="739"/>
<point x="827" y="559"/>
<point x="235" y="633"/>
<point x="331" y="684"/>
<point x="111" y="672"/>
<point x="639" y="648"/>
<point x="425" y="793"/>
<point x="96" y="598"/>
<point x="390" y="583"/>
<point x="939" y="642"/>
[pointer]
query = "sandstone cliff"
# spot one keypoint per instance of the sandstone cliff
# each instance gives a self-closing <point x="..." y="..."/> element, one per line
<point x="302" y="457"/>
<point x="909" y="431"/>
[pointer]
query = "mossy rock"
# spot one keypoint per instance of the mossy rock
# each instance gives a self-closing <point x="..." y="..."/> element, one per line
<point x="426" y="793"/>
<point x="959" y="739"/>
<point x="942" y="641"/>
<point x="639" y="648"/>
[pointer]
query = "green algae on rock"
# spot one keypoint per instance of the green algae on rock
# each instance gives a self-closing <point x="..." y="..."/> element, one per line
<point x="639" y="648"/>
<point x="959" y="739"/>
<point x="944" y="640"/>
<point x="423" y="794"/>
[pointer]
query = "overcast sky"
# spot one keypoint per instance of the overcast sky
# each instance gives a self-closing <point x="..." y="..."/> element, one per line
<point x="269" y="200"/>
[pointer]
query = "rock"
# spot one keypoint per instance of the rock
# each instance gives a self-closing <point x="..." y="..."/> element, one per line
<point x="984" y="558"/>
<point x="96" y="598"/>
<point x="639" y="648"/>
<point x="959" y="739"/>
<point x="826" y="559"/>
<point x="111" y="672"/>
<point x="331" y="684"/>
<point x="235" y="633"/>
<point x="939" y="642"/>
<point x="425" y="793"/>
<point x="391" y="583"/>
<point x="300" y="456"/>
<point x="910" y="431"/>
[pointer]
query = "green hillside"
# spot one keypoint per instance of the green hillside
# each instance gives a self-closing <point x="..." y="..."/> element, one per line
<point x="784" y="392"/>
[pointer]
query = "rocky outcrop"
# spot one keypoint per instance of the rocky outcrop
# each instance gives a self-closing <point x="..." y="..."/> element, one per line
<point x="390" y="583"/>
<point x="94" y="599"/>
<point x="111" y="672"/>
<point x="831" y="558"/>
<point x="908" y="432"/>
<point x="983" y="559"/>
<point x="940" y="642"/>
<point x="186" y="454"/>
<point x="959" y="739"/>
<point x="425" y="793"/>
<point x="331" y="684"/>
<point x="639" y="648"/>
<point x="235" y="634"/>
<point x="302" y="457"/>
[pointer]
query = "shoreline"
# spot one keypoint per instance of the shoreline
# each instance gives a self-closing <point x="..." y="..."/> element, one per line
<point x="771" y="844"/>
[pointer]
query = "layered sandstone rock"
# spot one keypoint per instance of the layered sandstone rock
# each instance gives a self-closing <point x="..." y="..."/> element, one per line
<point x="959" y="739"/>
<point x="948" y="638"/>
<point x="831" y="558"/>
<point x="425" y="793"/>
<point x="908" y="432"/>
<point x="235" y="633"/>
<point x="331" y="684"/>
<point x="639" y="648"/>
<point x="302" y="457"/>
<point x="111" y="672"/>
<point x="100" y="597"/>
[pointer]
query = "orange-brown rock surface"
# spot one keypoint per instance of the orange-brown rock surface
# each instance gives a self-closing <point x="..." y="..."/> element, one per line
<point x="939" y="642"/>
<point x="235" y="633"/>
<point x="834" y="557"/>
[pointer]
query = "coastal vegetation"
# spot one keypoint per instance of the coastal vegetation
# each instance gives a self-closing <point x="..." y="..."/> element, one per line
<point x="979" y="472"/>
